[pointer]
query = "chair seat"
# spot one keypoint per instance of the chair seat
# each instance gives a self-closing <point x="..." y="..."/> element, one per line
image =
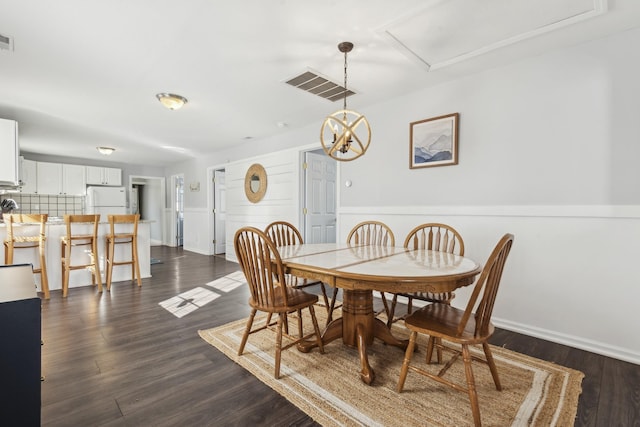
<point x="442" y="320"/>
<point x="296" y="299"/>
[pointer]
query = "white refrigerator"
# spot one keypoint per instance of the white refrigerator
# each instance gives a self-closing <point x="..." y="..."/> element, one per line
<point x="106" y="201"/>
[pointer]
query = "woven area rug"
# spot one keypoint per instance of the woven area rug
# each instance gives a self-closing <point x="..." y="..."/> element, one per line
<point x="328" y="387"/>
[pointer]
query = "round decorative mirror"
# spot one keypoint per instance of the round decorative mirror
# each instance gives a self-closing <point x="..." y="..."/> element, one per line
<point x="255" y="183"/>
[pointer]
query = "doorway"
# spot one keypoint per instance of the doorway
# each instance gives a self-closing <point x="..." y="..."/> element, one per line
<point x="147" y="198"/>
<point x="177" y="207"/>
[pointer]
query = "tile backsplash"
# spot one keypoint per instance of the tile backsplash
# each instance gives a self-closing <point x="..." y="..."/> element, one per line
<point x="46" y="204"/>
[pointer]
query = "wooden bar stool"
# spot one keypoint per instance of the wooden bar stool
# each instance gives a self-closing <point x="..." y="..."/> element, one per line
<point x="20" y="241"/>
<point x="118" y="237"/>
<point x="74" y="240"/>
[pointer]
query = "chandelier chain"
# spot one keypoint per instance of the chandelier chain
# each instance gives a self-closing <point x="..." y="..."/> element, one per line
<point x="345" y="82"/>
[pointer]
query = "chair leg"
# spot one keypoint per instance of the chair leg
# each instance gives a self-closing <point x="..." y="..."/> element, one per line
<point x="492" y="365"/>
<point x="300" y="323"/>
<point x="96" y="264"/>
<point x="392" y="310"/>
<point x="8" y="253"/>
<point x="385" y="303"/>
<point x="471" y="385"/>
<point x="281" y="317"/>
<point x="324" y="297"/>
<point x="316" y="329"/>
<point x="136" y="263"/>
<point x="407" y="360"/>
<point x="247" y="331"/>
<point x="44" y="279"/>
<point x="65" y="250"/>
<point x="108" y="262"/>
<point x="333" y="305"/>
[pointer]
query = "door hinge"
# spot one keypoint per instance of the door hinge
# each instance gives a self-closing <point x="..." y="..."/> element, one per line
<point x="213" y="241"/>
<point x="304" y="165"/>
<point x="304" y="211"/>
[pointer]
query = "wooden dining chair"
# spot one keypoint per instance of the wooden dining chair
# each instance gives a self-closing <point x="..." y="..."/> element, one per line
<point x="435" y="237"/>
<point x="263" y="269"/>
<point x="71" y="239"/>
<point x="15" y="241"/>
<point x="283" y="233"/>
<point x="372" y="233"/>
<point x="468" y="327"/>
<point x="123" y="230"/>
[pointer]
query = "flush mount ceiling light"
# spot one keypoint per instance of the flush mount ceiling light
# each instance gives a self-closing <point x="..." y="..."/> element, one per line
<point x="340" y="129"/>
<point x="105" y="151"/>
<point x="171" y="101"/>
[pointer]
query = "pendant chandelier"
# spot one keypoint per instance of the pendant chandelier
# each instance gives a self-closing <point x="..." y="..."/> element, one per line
<point x="345" y="135"/>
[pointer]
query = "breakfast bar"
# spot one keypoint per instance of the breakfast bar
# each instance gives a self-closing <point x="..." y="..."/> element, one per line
<point x="55" y="229"/>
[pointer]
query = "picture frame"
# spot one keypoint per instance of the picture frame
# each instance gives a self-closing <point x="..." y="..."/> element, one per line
<point x="434" y="142"/>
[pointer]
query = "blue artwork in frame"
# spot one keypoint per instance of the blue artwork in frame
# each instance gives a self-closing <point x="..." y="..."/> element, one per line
<point x="434" y="142"/>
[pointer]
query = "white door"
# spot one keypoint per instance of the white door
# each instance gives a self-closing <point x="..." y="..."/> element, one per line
<point x="219" y="212"/>
<point x="320" y="199"/>
<point x="179" y="210"/>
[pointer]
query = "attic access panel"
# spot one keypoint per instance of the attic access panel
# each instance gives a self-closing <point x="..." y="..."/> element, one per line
<point x="431" y="36"/>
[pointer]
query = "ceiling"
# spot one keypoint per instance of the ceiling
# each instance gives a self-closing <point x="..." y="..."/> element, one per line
<point x="84" y="73"/>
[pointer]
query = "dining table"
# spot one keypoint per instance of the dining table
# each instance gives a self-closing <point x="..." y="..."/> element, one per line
<point x="361" y="269"/>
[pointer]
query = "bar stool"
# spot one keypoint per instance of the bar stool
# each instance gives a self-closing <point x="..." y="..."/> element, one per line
<point x="123" y="237"/>
<point x="71" y="240"/>
<point x="14" y="242"/>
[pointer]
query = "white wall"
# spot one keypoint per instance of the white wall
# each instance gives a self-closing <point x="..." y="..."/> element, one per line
<point x="548" y="151"/>
<point x="280" y="202"/>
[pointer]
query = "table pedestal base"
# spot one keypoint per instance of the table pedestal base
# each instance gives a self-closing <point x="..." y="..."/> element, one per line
<point x="358" y="326"/>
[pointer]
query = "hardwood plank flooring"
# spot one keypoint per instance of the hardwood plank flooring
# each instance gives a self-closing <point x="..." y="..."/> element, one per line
<point x="120" y="359"/>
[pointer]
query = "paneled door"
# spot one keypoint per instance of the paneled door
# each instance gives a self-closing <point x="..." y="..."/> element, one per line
<point x="219" y="212"/>
<point x="320" y="199"/>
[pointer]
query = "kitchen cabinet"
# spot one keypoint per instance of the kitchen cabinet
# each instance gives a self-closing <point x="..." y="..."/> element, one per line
<point x="49" y="178"/>
<point x="28" y="173"/>
<point x="9" y="149"/>
<point x="61" y="179"/>
<point x="73" y="180"/>
<point x="97" y="175"/>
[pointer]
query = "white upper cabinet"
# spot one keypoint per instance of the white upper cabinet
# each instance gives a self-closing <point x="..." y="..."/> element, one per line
<point x="9" y="149"/>
<point x="73" y="180"/>
<point x="49" y="178"/>
<point x="28" y="173"/>
<point x="97" y="175"/>
<point x="61" y="179"/>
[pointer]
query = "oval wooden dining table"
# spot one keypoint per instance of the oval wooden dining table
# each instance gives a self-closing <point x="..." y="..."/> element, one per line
<point x="359" y="270"/>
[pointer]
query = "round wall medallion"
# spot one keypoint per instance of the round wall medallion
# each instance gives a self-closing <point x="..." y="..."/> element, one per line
<point x="255" y="183"/>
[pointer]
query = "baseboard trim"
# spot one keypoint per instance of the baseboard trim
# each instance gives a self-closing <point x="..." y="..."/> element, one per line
<point x="570" y="340"/>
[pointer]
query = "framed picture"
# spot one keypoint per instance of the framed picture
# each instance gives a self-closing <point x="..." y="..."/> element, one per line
<point x="434" y="142"/>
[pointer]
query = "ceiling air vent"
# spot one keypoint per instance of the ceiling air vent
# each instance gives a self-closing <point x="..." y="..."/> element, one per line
<point x="6" y="42"/>
<point x="314" y="84"/>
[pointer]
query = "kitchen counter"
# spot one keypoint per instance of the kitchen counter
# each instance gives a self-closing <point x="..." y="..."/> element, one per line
<point x="57" y="228"/>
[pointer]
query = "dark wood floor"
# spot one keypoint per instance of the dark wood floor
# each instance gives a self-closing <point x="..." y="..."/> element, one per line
<point x="120" y="359"/>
